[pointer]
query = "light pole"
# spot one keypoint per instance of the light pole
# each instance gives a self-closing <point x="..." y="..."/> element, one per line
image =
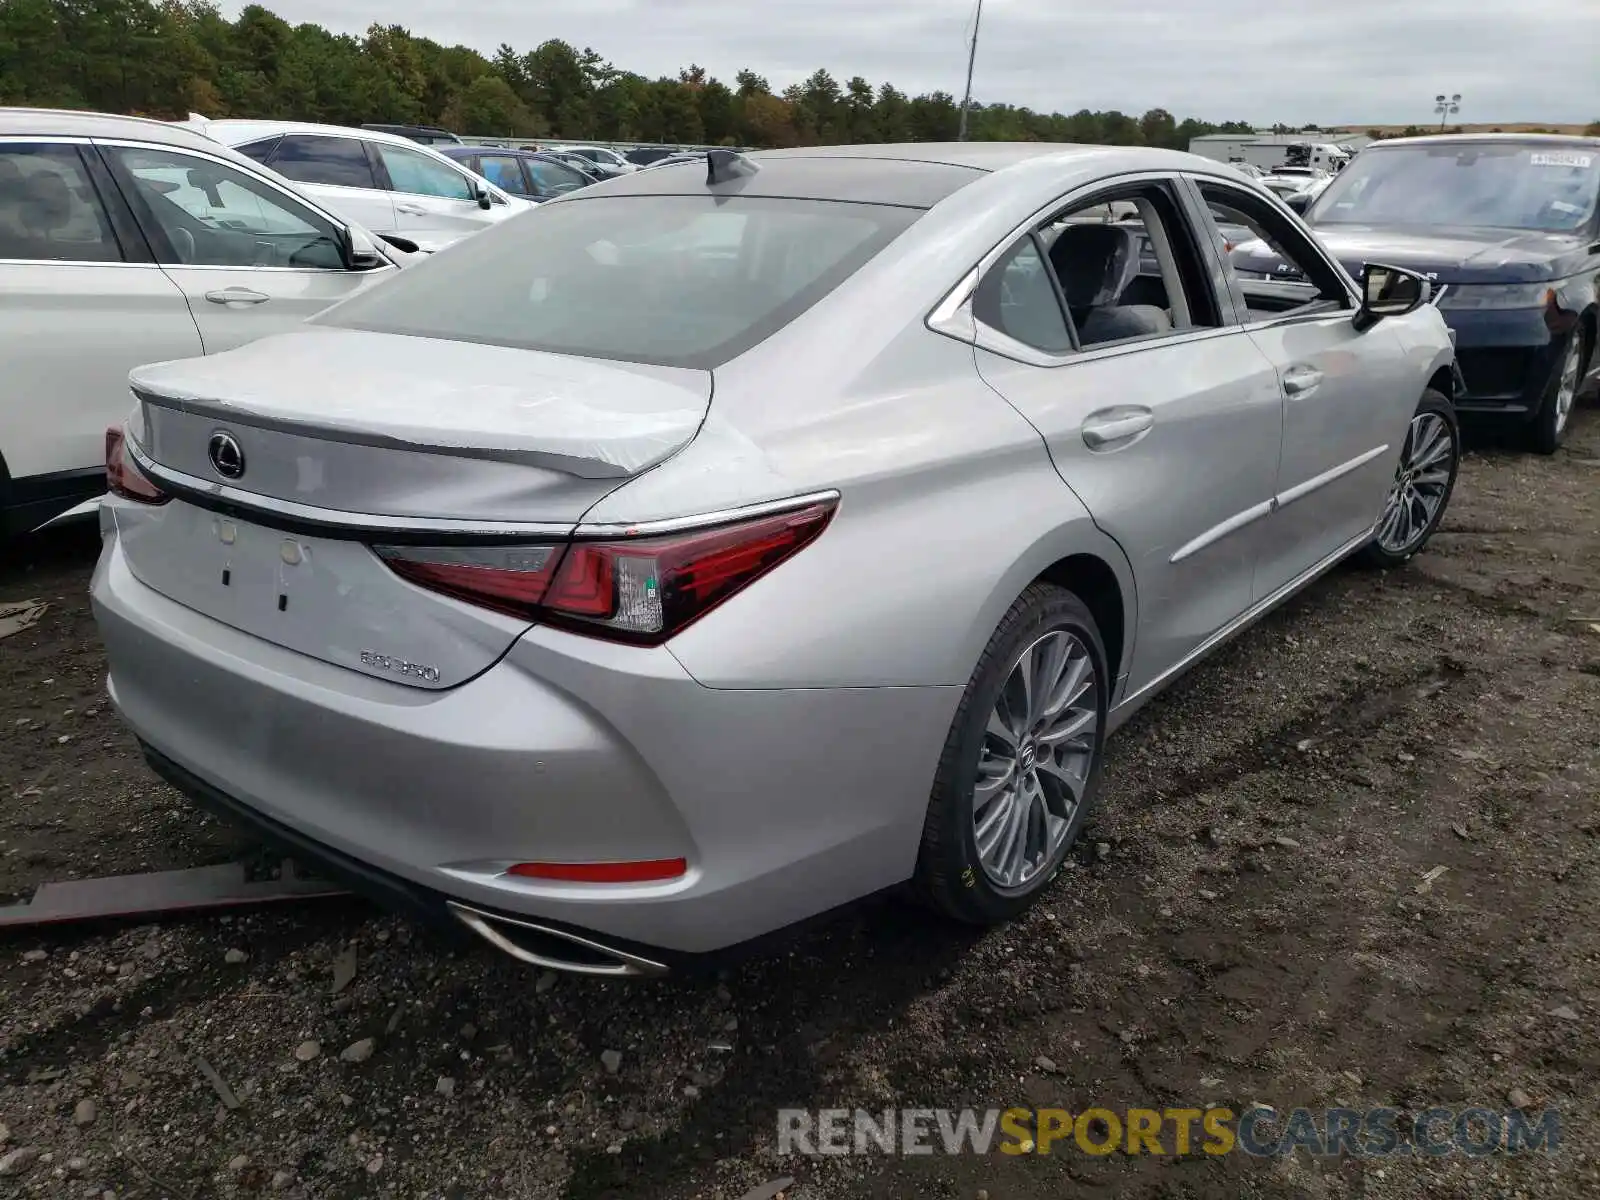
<point x="1446" y="106"/>
<point x="972" y="58"/>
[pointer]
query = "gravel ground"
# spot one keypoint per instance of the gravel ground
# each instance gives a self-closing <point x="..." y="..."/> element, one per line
<point x="1257" y="916"/>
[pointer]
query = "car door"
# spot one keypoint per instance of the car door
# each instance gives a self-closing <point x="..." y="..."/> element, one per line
<point x="250" y="258"/>
<point x="1163" y="419"/>
<point x="434" y="201"/>
<point x="339" y="173"/>
<point x="1339" y="386"/>
<point x="81" y="304"/>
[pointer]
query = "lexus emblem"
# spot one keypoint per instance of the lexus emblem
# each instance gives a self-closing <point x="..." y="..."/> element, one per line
<point x="227" y="457"/>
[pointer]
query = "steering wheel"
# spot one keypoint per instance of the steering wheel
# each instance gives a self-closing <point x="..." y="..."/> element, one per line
<point x="182" y="243"/>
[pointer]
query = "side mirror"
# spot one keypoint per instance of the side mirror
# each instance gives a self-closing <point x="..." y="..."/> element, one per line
<point x="358" y="251"/>
<point x="1300" y="201"/>
<point x="481" y="195"/>
<point x="1389" y="292"/>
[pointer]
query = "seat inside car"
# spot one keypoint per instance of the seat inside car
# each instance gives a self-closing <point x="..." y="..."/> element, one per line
<point x="37" y="208"/>
<point x="1096" y="264"/>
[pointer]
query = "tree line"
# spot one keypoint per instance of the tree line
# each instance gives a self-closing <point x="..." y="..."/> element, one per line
<point x="169" y="58"/>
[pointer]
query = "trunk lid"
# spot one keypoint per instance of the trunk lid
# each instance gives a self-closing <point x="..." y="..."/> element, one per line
<point x="347" y="439"/>
<point x="356" y="421"/>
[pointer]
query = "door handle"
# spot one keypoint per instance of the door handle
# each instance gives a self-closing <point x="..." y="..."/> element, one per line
<point x="1297" y="381"/>
<point x="237" y="295"/>
<point x="411" y="210"/>
<point x="1113" y="428"/>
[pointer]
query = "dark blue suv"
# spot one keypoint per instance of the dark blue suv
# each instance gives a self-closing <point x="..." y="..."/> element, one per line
<point x="1508" y="228"/>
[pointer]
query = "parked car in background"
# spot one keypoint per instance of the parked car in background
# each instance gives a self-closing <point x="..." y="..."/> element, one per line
<point x="1295" y="181"/>
<point x="673" y="160"/>
<point x="598" y="170"/>
<point x="1507" y="228"/>
<point x="386" y="182"/>
<point x="603" y="156"/>
<point x="1298" y="193"/>
<point x="423" y="135"/>
<point x="528" y="174"/>
<point x="608" y="631"/>
<point x="643" y="156"/>
<point x="125" y="241"/>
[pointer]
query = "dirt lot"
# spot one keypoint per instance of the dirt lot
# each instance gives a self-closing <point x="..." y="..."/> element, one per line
<point x="1248" y="922"/>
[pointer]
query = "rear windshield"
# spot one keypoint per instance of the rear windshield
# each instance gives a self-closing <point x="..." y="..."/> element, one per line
<point x="678" y="281"/>
<point x="1498" y="185"/>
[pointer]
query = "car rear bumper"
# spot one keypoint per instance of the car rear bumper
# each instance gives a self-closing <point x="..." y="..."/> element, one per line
<point x="784" y="802"/>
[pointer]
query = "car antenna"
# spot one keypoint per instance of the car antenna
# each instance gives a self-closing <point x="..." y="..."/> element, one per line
<point x="725" y="165"/>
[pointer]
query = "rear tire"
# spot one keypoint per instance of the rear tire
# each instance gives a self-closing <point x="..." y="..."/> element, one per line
<point x="1549" y="426"/>
<point x="1424" y="473"/>
<point x="1050" y="737"/>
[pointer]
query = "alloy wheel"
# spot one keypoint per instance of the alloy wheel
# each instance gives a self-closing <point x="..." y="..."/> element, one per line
<point x="1420" y="484"/>
<point x="1567" y="387"/>
<point x="1037" y="758"/>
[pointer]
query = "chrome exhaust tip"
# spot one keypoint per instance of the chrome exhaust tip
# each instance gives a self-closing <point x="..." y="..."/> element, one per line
<point x="554" y="949"/>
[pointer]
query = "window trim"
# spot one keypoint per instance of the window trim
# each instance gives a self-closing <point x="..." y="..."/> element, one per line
<point x="147" y="221"/>
<point x="129" y="252"/>
<point x="953" y="316"/>
<point x="1234" y="295"/>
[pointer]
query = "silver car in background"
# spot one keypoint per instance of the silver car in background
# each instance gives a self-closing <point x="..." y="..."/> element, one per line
<point x="746" y="537"/>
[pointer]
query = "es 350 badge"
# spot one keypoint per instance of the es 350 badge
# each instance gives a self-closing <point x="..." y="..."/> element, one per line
<point x="399" y="666"/>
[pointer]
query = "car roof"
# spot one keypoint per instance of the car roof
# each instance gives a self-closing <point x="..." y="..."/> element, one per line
<point x="915" y="175"/>
<point x="466" y="150"/>
<point x="61" y="122"/>
<point x="384" y="126"/>
<point x="1453" y="139"/>
<point x="239" y="131"/>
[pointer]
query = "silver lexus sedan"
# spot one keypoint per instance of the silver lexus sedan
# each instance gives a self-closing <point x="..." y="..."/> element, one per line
<point x="723" y="543"/>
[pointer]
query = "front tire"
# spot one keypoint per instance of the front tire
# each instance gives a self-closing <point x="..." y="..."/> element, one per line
<point x="1424" y="478"/>
<point x="1549" y="427"/>
<point x="1021" y="765"/>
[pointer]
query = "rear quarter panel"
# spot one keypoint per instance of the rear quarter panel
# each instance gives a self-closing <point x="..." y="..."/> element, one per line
<point x="949" y="508"/>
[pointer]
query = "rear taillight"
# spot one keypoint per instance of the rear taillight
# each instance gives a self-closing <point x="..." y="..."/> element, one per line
<point x="123" y="476"/>
<point x="508" y="579"/>
<point x="640" y="589"/>
<point x="648" y="588"/>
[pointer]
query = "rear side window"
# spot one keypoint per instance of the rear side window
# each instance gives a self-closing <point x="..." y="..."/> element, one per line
<point x="339" y="162"/>
<point x="681" y="281"/>
<point x="1018" y="298"/>
<point x="49" y="209"/>
<point x="259" y="151"/>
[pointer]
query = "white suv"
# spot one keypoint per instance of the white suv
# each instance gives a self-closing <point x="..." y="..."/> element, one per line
<point x="124" y="242"/>
<point x="386" y="182"/>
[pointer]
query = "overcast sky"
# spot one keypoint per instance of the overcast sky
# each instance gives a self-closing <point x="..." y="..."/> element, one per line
<point x="1355" y="62"/>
